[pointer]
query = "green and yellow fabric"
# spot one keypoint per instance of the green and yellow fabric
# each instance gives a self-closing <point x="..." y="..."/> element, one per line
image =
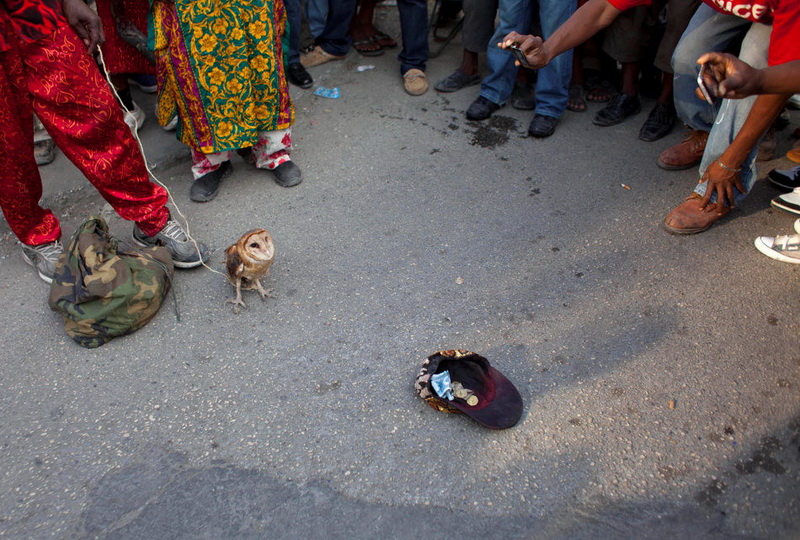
<point x="220" y="68"/>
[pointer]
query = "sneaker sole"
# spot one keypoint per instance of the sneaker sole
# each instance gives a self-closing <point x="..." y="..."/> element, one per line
<point x="47" y="279"/>
<point x="176" y="264"/>
<point x="781" y="185"/>
<point x="785" y="206"/>
<point x="772" y="254"/>
<point x="668" y="167"/>
<point x="685" y="232"/>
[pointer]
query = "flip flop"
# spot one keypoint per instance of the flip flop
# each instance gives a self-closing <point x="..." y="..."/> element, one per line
<point x="601" y="93"/>
<point x="384" y="40"/>
<point x="361" y="47"/>
<point x="576" y="102"/>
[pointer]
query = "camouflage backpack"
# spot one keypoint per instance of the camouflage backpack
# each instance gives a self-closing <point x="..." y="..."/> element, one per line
<point x="103" y="292"/>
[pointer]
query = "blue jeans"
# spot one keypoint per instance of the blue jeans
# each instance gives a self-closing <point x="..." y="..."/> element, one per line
<point x="317" y="15"/>
<point x="710" y="30"/>
<point x="335" y="38"/>
<point x="552" y="83"/>
<point x="293" y="20"/>
<point x="414" y="27"/>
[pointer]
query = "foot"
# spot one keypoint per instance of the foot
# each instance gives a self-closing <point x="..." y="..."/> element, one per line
<point x="287" y="174"/>
<point x="618" y="109"/>
<point x="481" y="109"/>
<point x="318" y="56"/>
<point x="415" y="82"/>
<point x="43" y="258"/>
<point x="659" y="123"/>
<point x="237" y="302"/>
<point x="785" y="178"/>
<point x="784" y="248"/>
<point x="523" y="97"/>
<point x="542" y="126"/>
<point x="601" y="93"/>
<point x="577" y="100"/>
<point x="689" y="218"/>
<point x="186" y="253"/>
<point x="685" y="154"/>
<point x="367" y="47"/>
<point x="383" y="39"/>
<point x="265" y="293"/>
<point x="298" y="76"/>
<point x="207" y="186"/>
<point x="456" y="81"/>
<point x="788" y="202"/>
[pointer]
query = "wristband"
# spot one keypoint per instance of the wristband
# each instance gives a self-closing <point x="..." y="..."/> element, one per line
<point x="726" y="167"/>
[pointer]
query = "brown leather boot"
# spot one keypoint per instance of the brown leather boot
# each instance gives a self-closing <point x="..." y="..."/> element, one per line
<point x="689" y="218"/>
<point x="685" y="154"/>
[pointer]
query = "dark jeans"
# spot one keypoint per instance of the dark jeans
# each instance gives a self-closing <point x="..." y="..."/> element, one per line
<point x="414" y="26"/>
<point x="294" y="20"/>
<point x="335" y="38"/>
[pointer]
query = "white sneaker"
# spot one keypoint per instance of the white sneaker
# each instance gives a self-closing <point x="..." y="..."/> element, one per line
<point x="135" y="118"/>
<point x="172" y="125"/>
<point x="784" y="248"/>
<point x="788" y="202"/>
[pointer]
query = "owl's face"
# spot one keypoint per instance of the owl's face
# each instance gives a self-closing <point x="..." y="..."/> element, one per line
<point x="258" y="244"/>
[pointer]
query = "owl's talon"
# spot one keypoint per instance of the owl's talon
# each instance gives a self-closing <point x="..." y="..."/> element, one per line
<point x="266" y="293"/>
<point x="236" y="303"/>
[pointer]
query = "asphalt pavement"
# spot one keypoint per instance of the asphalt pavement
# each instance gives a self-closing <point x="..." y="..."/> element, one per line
<point x="660" y="373"/>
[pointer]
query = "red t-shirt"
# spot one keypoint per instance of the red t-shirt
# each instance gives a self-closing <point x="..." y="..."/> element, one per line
<point x="783" y="15"/>
<point x="29" y="20"/>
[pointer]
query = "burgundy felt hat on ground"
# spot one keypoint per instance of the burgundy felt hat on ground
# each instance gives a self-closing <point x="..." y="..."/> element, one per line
<point x="478" y="390"/>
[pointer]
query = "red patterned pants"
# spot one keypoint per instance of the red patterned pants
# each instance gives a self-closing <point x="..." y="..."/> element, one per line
<point x="58" y="80"/>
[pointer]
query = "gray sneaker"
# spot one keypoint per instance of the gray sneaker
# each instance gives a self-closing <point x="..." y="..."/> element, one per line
<point x="43" y="258"/>
<point x="172" y="236"/>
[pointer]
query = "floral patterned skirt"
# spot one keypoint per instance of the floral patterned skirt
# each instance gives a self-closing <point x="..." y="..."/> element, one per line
<point x="220" y="69"/>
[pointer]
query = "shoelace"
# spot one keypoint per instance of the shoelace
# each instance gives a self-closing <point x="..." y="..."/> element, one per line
<point x="50" y="251"/>
<point x="173" y="231"/>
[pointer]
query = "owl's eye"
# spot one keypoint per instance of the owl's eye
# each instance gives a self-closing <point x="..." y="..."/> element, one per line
<point x="254" y="245"/>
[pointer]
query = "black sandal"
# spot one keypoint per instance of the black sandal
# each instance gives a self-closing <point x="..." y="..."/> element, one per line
<point x="361" y="47"/>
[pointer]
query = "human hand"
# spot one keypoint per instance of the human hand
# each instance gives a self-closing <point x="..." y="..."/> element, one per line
<point x="721" y="181"/>
<point x="728" y="77"/>
<point x="85" y="22"/>
<point x="532" y="46"/>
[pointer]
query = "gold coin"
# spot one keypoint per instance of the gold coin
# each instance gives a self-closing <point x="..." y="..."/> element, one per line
<point x="460" y="393"/>
<point x="472" y="400"/>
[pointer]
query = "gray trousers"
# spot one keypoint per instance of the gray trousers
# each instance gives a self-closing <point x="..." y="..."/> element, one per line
<point x="479" y="16"/>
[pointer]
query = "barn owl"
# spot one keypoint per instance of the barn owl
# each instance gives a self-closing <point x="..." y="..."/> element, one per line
<point x="247" y="261"/>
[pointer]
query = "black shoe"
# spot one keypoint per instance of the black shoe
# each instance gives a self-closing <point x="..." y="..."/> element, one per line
<point x="659" y="122"/>
<point x="207" y="186"/>
<point x="481" y="109"/>
<point x="542" y="126"/>
<point x="785" y="178"/>
<point x="287" y="174"/>
<point x="298" y="76"/>
<point x="456" y="81"/>
<point x="618" y="109"/>
<point x="522" y="97"/>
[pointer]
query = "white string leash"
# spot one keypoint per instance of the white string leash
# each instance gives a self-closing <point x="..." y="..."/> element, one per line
<point x="135" y="132"/>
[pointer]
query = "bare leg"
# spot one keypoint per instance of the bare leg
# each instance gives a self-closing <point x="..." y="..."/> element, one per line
<point x="238" y="300"/>
<point x="265" y="293"/>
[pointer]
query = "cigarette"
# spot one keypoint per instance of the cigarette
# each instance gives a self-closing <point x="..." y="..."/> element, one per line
<point x="626" y="186"/>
